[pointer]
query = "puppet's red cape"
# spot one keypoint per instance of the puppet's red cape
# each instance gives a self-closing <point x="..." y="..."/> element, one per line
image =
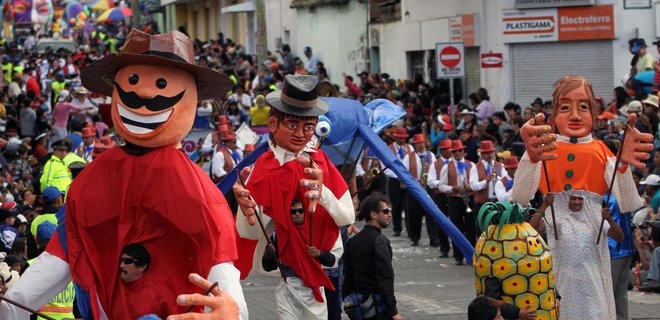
<point x="274" y="187"/>
<point x="161" y="200"/>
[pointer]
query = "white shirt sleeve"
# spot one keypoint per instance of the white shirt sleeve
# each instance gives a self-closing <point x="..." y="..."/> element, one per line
<point x="433" y="181"/>
<point x="500" y="192"/>
<point x="207" y="147"/>
<point x="341" y="210"/>
<point x="41" y="282"/>
<point x="406" y="162"/>
<point x="444" y="180"/>
<point x="475" y="184"/>
<point x="229" y="280"/>
<point x="218" y="164"/>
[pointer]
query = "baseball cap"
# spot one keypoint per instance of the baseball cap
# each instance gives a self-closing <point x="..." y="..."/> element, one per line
<point x="45" y="230"/>
<point x="308" y="49"/>
<point x="22" y="218"/>
<point x="50" y="193"/>
<point x="6" y="213"/>
<point x="651" y="180"/>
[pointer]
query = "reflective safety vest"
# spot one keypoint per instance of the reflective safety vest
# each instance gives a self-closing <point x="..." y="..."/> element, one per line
<point x="71" y="158"/>
<point x="55" y="174"/>
<point x="7" y="68"/>
<point x="57" y="88"/>
<point x="61" y="307"/>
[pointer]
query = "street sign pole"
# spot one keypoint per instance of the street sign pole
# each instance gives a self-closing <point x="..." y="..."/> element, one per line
<point x="450" y="64"/>
<point x="451" y="102"/>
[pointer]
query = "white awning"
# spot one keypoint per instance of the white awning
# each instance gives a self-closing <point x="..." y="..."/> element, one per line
<point x="241" y="7"/>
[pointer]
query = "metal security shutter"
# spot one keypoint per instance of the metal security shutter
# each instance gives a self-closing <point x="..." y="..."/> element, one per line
<point x="536" y="67"/>
<point x="472" y="69"/>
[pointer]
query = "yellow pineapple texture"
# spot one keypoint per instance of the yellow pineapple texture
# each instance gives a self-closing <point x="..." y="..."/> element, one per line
<point x="520" y="259"/>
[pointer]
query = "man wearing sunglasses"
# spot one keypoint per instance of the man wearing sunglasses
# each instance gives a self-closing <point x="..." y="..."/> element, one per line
<point x="368" y="260"/>
<point x="291" y="293"/>
<point x="134" y="262"/>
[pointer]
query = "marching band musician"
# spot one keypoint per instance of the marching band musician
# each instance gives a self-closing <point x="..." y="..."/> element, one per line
<point x="419" y="169"/>
<point x="394" y="188"/>
<point x="440" y="198"/>
<point x="454" y="181"/>
<point x="483" y="176"/>
<point x="504" y="185"/>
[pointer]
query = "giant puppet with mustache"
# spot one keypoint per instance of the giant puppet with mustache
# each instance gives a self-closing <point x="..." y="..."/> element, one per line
<point x="145" y="192"/>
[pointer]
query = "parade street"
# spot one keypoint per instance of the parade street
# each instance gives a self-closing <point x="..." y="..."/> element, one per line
<point x="427" y="287"/>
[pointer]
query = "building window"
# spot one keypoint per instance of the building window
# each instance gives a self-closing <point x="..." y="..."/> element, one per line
<point x="382" y="11"/>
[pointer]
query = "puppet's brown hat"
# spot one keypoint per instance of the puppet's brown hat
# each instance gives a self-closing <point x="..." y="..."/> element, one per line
<point x="168" y="49"/>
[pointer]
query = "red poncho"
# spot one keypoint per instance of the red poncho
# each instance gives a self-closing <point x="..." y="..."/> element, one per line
<point x="161" y="200"/>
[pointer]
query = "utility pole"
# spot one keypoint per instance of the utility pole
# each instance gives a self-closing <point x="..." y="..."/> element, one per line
<point x="135" y="18"/>
<point x="262" y="37"/>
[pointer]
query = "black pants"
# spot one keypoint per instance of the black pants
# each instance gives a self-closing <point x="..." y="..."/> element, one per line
<point x="396" y="194"/>
<point x="462" y="220"/>
<point x="414" y="215"/>
<point x="441" y="201"/>
<point x="333" y="300"/>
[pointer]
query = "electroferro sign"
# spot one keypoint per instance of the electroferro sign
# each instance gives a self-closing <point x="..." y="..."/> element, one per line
<point x="558" y="24"/>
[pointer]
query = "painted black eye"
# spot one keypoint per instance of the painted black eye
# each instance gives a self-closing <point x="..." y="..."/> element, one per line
<point x="133" y="79"/>
<point x="161" y="83"/>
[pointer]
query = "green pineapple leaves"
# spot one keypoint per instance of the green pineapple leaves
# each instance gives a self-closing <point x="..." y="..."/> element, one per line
<point x="500" y="213"/>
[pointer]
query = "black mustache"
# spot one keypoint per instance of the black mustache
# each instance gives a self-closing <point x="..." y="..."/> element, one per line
<point x="157" y="103"/>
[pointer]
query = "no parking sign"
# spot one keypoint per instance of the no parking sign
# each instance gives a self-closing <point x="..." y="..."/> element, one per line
<point x="450" y="60"/>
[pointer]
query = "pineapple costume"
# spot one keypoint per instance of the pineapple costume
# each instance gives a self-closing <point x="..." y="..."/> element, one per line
<point x="511" y="251"/>
<point x="584" y="167"/>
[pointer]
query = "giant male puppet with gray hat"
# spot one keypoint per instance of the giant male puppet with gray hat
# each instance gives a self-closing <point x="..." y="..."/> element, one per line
<point x="144" y="192"/>
<point x="292" y="170"/>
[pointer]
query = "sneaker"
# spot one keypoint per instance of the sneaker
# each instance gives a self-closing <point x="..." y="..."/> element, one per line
<point x="444" y="255"/>
<point x="415" y="243"/>
<point x="458" y="262"/>
<point x="397" y="233"/>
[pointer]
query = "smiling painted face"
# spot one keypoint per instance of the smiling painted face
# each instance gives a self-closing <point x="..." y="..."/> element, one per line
<point x="153" y="106"/>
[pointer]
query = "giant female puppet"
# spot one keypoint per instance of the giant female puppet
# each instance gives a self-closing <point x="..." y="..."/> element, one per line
<point x="579" y="168"/>
<point x="145" y="192"/>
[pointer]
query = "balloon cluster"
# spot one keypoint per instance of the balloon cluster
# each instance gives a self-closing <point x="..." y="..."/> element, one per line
<point x="77" y="14"/>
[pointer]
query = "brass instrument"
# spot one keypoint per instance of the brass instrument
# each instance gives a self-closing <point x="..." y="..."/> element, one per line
<point x="424" y="180"/>
<point x="371" y="174"/>
<point x="466" y="195"/>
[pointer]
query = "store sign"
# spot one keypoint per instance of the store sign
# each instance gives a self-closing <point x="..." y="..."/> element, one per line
<point x="450" y="60"/>
<point x="531" y="4"/>
<point x="558" y="24"/>
<point x="462" y="29"/>
<point x="491" y="60"/>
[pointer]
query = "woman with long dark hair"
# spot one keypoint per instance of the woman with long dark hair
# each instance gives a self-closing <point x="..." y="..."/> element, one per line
<point x="620" y="97"/>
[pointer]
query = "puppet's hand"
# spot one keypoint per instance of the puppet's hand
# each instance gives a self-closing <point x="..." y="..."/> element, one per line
<point x="538" y="139"/>
<point x="243" y="196"/>
<point x="222" y="305"/>
<point x="637" y="145"/>
<point x="314" y="181"/>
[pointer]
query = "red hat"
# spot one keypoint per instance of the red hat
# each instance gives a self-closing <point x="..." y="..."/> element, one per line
<point x="606" y="115"/>
<point x="87" y="132"/>
<point x="249" y="147"/>
<point x="418" y="138"/>
<point x="457" y="145"/>
<point x="486" y="146"/>
<point x="229" y="136"/>
<point x="400" y="133"/>
<point x="448" y="126"/>
<point x="223" y="128"/>
<point x="511" y="162"/>
<point x="223" y="119"/>
<point x="445" y="144"/>
<point x="105" y="144"/>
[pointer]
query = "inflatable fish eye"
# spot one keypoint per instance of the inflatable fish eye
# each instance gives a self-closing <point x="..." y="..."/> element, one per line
<point x="323" y="127"/>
